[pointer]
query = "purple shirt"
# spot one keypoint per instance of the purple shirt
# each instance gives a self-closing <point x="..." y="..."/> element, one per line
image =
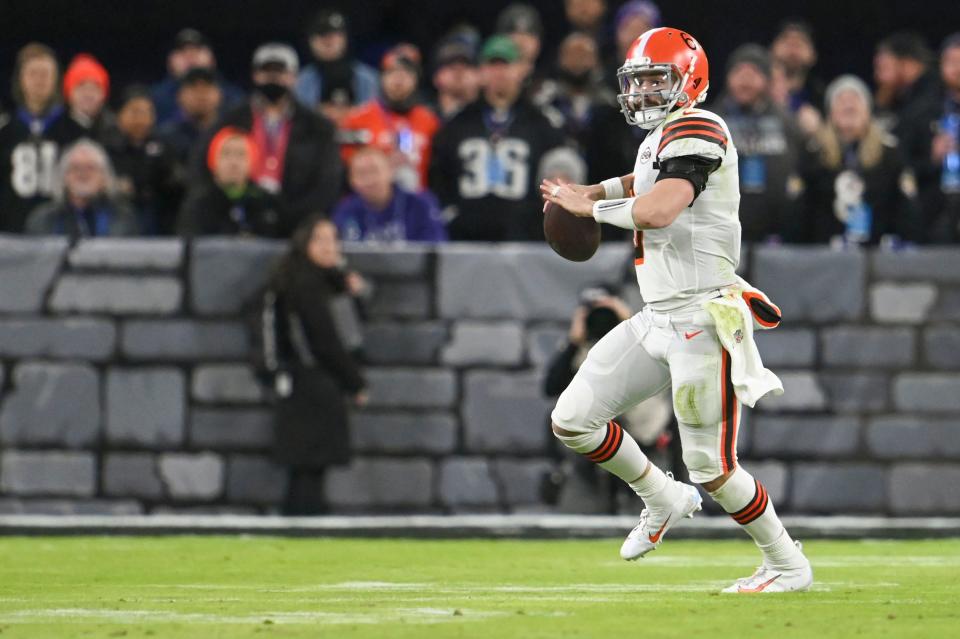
<point x="413" y="217"/>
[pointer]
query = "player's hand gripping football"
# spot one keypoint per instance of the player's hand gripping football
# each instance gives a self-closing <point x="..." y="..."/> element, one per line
<point x="578" y="199"/>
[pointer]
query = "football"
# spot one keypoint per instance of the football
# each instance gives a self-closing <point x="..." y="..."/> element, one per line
<point x="571" y="237"/>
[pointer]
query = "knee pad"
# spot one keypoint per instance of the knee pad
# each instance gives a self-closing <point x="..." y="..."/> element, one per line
<point x="702" y="466"/>
<point x="572" y="412"/>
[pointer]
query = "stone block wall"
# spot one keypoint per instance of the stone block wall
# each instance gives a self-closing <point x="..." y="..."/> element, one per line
<point x="125" y="387"/>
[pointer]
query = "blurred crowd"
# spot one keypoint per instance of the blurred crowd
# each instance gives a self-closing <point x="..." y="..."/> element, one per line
<point x="449" y="144"/>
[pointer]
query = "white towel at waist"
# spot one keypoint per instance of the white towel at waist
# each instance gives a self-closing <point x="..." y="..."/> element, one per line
<point x="734" y="323"/>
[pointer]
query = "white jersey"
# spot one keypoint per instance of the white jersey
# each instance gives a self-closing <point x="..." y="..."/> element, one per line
<point x="684" y="263"/>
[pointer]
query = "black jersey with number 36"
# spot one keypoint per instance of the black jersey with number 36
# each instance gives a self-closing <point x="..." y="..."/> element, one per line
<point x="487" y="167"/>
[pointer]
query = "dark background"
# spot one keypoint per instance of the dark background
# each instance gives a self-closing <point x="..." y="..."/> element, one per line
<point x="132" y="37"/>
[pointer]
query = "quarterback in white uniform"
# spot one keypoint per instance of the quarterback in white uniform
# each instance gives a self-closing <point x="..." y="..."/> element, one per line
<point x="687" y="247"/>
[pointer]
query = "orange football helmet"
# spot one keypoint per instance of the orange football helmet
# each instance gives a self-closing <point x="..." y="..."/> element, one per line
<point x="665" y="69"/>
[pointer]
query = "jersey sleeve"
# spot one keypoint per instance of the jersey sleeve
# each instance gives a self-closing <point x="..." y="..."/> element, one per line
<point x="693" y="135"/>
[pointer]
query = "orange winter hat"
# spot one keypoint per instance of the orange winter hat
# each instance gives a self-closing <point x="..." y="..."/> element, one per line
<point x="224" y="134"/>
<point x="85" y="68"/>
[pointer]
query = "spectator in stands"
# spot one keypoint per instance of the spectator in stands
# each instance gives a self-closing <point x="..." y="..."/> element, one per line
<point x="191" y="49"/>
<point x="32" y="137"/>
<point x="588" y="16"/>
<point x="909" y="90"/>
<point x="633" y="19"/>
<point x="316" y="373"/>
<point x="146" y="169"/>
<point x="199" y="99"/>
<point x="575" y="88"/>
<point x="486" y="160"/>
<point x="297" y="158"/>
<point x="455" y="77"/>
<point x="522" y="23"/>
<point x="941" y="200"/>
<point x="229" y="202"/>
<point x="85" y="203"/>
<point x="859" y="190"/>
<point x="907" y="87"/>
<point x="380" y="211"/>
<point x="794" y="51"/>
<point x="334" y="77"/>
<point x="86" y="86"/>
<point x="572" y="488"/>
<point x="587" y="110"/>
<point x="585" y="15"/>
<point x="397" y="122"/>
<point x="769" y="144"/>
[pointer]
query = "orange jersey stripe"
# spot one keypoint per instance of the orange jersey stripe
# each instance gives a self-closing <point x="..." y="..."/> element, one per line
<point x="679" y="135"/>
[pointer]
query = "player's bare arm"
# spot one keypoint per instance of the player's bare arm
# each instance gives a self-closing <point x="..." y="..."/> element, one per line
<point x="654" y="210"/>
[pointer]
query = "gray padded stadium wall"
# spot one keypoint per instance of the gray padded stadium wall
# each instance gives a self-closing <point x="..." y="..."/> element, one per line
<point x="126" y="389"/>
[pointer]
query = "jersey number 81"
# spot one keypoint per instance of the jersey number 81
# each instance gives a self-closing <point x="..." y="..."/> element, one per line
<point x="33" y="167"/>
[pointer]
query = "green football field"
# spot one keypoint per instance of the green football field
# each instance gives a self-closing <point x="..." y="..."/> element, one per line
<point x="271" y="587"/>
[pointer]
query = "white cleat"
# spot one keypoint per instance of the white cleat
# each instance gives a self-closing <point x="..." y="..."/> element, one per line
<point x="655" y="522"/>
<point x="769" y="579"/>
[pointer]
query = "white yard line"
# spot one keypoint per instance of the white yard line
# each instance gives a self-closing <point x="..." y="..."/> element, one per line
<point x="395" y="615"/>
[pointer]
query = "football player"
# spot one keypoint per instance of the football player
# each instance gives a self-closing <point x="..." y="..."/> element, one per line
<point x="696" y="331"/>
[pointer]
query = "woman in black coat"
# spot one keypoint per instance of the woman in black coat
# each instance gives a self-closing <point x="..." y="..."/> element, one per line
<point x="319" y="376"/>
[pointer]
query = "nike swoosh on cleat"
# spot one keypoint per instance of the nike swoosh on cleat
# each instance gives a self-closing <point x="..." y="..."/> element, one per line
<point x="656" y="536"/>
<point x="761" y="587"/>
<point x="692" y="335"/>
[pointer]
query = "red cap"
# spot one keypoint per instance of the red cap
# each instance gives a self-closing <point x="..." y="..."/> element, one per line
<point x="224" y="134"/>
<point x="85" y="68"/>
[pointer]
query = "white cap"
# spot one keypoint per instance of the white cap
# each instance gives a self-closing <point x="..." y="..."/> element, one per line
<point x="276" y="53"/>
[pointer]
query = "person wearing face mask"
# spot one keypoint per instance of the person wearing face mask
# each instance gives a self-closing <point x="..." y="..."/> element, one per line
<point x="306" y="353"/>
<point x="396" y="122"/>
<point x="333" y="75"/>
<point x="297" y="158"/>
<point x="85" y="203"/>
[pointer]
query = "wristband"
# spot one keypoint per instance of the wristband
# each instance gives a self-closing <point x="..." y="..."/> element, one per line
<point x="615" y="212"/>
<point x="612" y="189"/>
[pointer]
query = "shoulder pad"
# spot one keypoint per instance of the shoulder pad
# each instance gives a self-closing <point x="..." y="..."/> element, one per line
<point x="693" y="132"/>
